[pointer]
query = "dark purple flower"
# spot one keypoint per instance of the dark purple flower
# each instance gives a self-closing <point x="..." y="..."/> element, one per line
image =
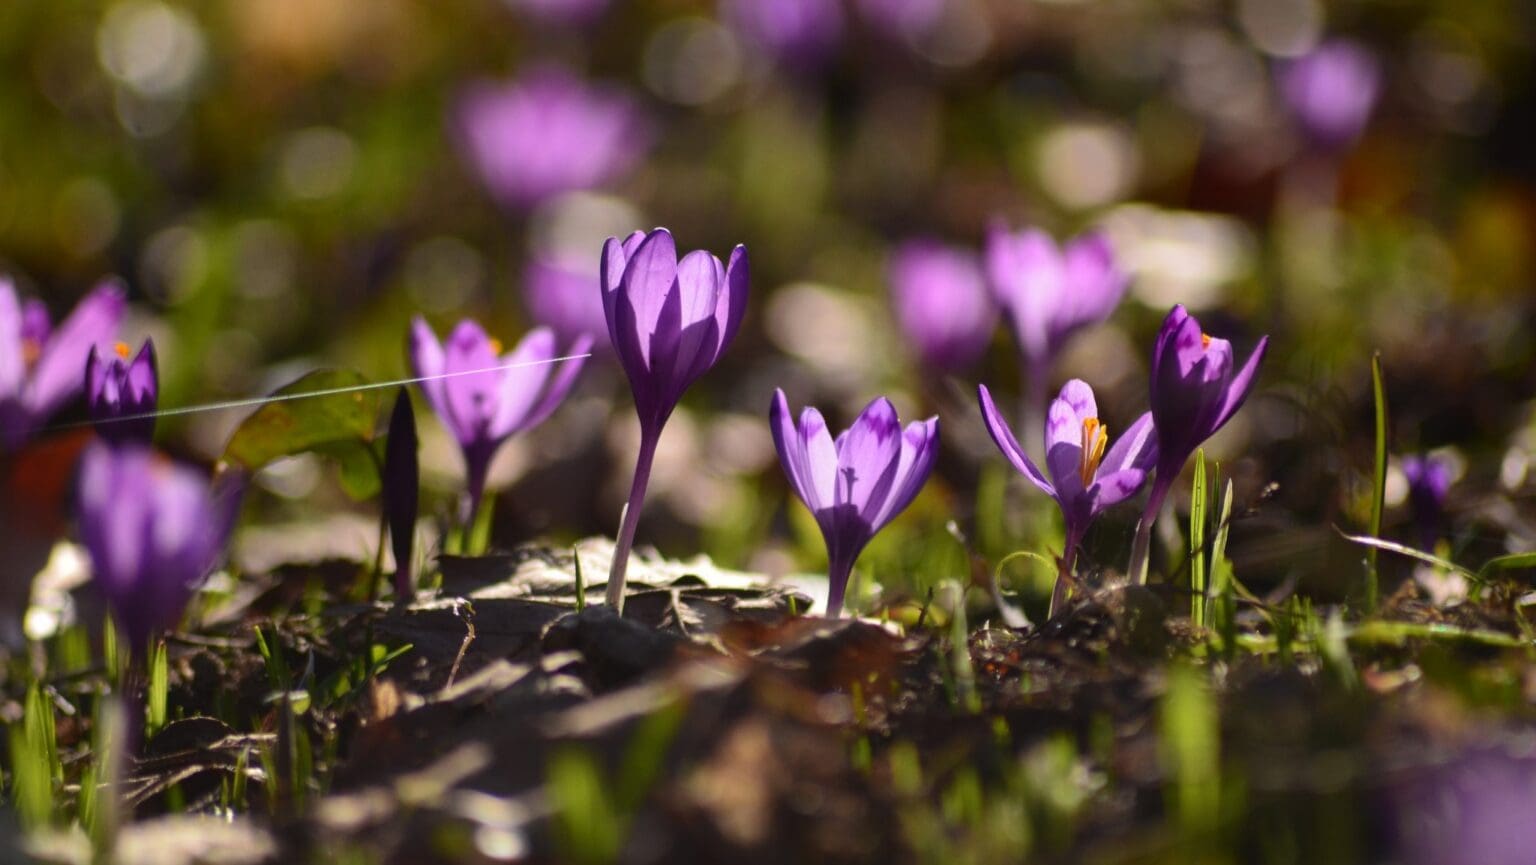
<point x="153" y="529"/>
<point x="1332" y="90"/>
<point x="572" y="13"/>
<point x="1429" y="481"/>
<point x="801" y="33"/>
<point x="402" y="486"/>
<point x="1049" y="292"/>
<point x="669" y="322"/>
<point x="40" y="366"/>
<point x="483" y="397"/>
<point x="903" y="19"/>
<point x="1086" y="476"/>
<point x="857" y="483"/>
<point x="566" y="296"/>
<point x="1196" y="388"/>
<point x="942" y="303"/>
<point x="1475" y="807"/>
<point x="121" y="394"/>
<point x="548" y="132"/>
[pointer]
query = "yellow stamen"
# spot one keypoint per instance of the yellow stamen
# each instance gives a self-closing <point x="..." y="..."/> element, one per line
<point x="495" y="346"/>
<point x="1095" y="440"/>
<point x="1205" y="340"/>
<point x="122" y="350"/>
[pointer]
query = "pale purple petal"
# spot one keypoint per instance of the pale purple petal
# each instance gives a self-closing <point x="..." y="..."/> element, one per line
<point x="560" y="383"/>
<point x="650" y="282"/>
<point x="867" y="456"/>
<point x="58" y="375"/>
<point x="1134" y="448"/>
<point x="1008" y="443"/>
<point x="1115" y="487"/>
<point x="522" y="380"/>
<point x="919" y="450"/>
<point x="13" y="361"/>
<point x="1242" y="383"/>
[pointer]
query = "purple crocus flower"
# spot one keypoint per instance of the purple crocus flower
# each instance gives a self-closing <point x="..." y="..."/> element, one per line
<point x="1429" y="481"/>
<point x="548" y="132"/>
<point x="800" y="33"/>
<point x="857" y="483"/>
<point x="40" y="366"/>
<point x="121" y="394"/>
<point x="402" y="487"/>
<point x="1196" y="388"/>
<point x="942" y="303"/>
<point x="153" y="529"/>
<point x="571" y="13"/>
<point x="484" y="397"/>
<point x="902" y="19"/>
<point x="1331" y="91"/>
<point x="1049" y="292"/>
<point x="1086" y="475"/>
<point x="669" y="321"/>
<point x="565" y="296"/>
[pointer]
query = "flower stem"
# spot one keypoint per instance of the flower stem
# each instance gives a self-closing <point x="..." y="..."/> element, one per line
<point x="838" y="574"/>
<point x="1064" y="573"/>
<point x="1141" y="548"/>
<point x="626" y="540"/>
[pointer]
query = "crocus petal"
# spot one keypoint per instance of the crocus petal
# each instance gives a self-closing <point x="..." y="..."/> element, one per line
<point x="143" y="378"/>
<point x="56" y="377"/>
<point x="522" y="378"/>
<point x="793" y="454"/>
<point x="1026" y="272"/>
<point x="471" y="387"/>
<point x="1135" y="448"/>
<point x="821" y="454"/>
<point x="732" y="307"/>
<point x="919" y="450"/>
<point x="700" y="278"/>
<point x="1008" y="444"/>
<point x="561" y="382"/>
<point x="426" y="356"/>
<point x="867" y="457"/>
<point x="13" y="362"/>
<point x="1242" y="383"/>
<point x="650" y="282"/>
<point x="1172" y="327"/>
<point x="1064" y="444"/>
<point x="1112" y="488"/>
<point x="1096" y="282"/>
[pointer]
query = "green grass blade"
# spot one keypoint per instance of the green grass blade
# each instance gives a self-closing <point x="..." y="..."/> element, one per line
<point x="159" y="684"/>
<point x="1511" y="562"/>
<point x="1378" y="484"/>
<point x="1197" y="573"/>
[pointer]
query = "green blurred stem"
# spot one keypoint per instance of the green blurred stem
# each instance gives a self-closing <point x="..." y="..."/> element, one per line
<point x="626" y="540"/>
<point x="1141" y="548"/>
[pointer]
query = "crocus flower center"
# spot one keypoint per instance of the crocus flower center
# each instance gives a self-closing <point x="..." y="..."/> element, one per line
<point x="1095" y="440"/>
<point x="1205" y="340"/>
<point x="31" y="350"/>
<point x="121" y="349"/>
<point x="496" y="345"/>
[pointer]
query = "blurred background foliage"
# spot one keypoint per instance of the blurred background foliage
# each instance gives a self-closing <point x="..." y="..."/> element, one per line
<point x="284" y="183"/>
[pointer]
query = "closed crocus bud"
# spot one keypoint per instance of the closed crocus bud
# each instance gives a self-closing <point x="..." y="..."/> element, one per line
<point x="942" y="304"/>
<point x="855" y="484"/>
<point x="1331" y="91"/>
<point x="548" y="132"/>
<point x="801" y="34"/>
<point x="40" y="365"/>
<point x="121" y="394"/>
<point x="153" y="530"/>
<point x="669" y="321"/>
<point x="1084" y="473"/>
<point x="1196" y="387"/>
<point x="402" y="486"/>
<point x="484" y="397"/>
<point x="1429" y="482"/>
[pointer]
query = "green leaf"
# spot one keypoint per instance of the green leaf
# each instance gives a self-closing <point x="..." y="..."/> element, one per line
<point x="330" y="412"/>
<point x="1378" y="483"/>
<point x="159" y="684"/>
<point x="1511" y="562"/>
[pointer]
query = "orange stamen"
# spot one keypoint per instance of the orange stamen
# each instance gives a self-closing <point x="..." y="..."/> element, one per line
<point x="495" y="346"/>
<point x="122" y="350"/>
<point x="1205" y="340"/>
<point x="31" y="350"/>
<point x="1095" y="441"/>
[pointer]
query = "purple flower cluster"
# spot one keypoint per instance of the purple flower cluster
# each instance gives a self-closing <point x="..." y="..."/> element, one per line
<point x="40" y="366"/>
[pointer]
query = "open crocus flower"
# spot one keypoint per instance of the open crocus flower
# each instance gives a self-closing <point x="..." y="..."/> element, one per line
<point x="670" y="321"/>
<point x="1196" y="389"/>
<point x="548" y="132"/>
<point x="942" y="303"/>
<point x="39" y="365"/>
<point x="121" y="394"/>
<point x="484" y="397"/>
<point x="1049" y="292"/>
<point x="563" y="295"/>
<point x="153" y="529"/>
<point x="857" y="483"/>
<point x="1086" y="474"/>
<point x="1331" y="91"/>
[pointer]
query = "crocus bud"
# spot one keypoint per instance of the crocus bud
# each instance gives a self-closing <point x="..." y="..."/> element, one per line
<point x="402" y="483"/>
<point x="484" y="398"/>
<point x="40" y="365"/>
<point x="548" y="132"/>
<point x="1429" y="482"/>
<point x="669" y="321"/>
<point x="153" y="530"/>
<point x="942" y="303"/>
<point x="1086" y="474"/>
<point x="121" y="394"/>
<point x="1331" y="91"/>
<point x="856" y="484"/>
